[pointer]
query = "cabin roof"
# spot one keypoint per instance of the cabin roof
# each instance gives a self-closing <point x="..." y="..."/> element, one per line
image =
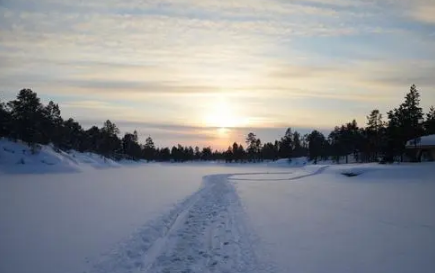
<point x="422" y="141"/>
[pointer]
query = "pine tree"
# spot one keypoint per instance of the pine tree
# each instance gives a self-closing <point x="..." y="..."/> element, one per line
<point x="165" y="154"/>
<point x="253" y="146"/>
<point x="374" y="131"/>
<point x="109" y="144"/>
<point x="5" y="120"/>
<point x="190" y="153"/>
<point x="74" y="137"/>
<point x="297" y="145"/>
<point x="229" y="155"/>
<point x="110" y="128"/>
<point x="130" y="146"/>
<point x="269" y="152"/>
<point x="27" y="118"/>
<point x="337" y="147"/>
<point x="197" y="153"/>
<point x="405" y="123"/>
<point x="353" y="139"/>
<point x="206" y="153"/>
<point x="286" y="144"/>
<point x="236" y="154"/>
<point x="149" y="149"/>
<point x="429" y="125"/>
<point x="53" y="123"/>
<point x="316" y="145"/>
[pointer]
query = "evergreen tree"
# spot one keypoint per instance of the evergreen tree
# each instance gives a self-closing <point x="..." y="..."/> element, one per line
<point x="317" y="145"/>
<point x="206" y="153"/>
<point x="337" y="147"/>
<point x="27" y="118"/>
<point x="352" y="134"/>
<point x="405" y="123"/>
<point x="52" y="124"/>
<point x="276" y="148"/>
<point x="297" y="145"/>
<point x="73" y="137"/>
<point x="286" y="144"/>
<point x="190" y="153"/>
<point x="269" y="152"/>
<point x="177" y="153"/>
<point x="149" y="149"/>
<point x="229" y="156"/>
<point x="374" y="134"/>
<point x="429" y="125"/>
<point x="5" y="120"/>
<point x="94" y="139"/>
<point x="253" y="146"/>
<point x="109" y="144"/>
<point x="165" y="154"/>
<point x="110" y="128"/>
<point x="197" y="153"/>
<point x="238" y="152"/>
<point x="258" y="146"/>
<point x="130" y="146"/>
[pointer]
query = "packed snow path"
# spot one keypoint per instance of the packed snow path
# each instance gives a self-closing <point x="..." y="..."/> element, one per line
<point x="206" y="233"/>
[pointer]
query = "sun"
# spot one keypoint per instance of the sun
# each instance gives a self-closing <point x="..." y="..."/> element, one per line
<point x="222" y="115"/>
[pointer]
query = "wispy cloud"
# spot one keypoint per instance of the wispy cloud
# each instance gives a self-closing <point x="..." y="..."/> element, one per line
<point x="424" y="13"/>
<point x="167" y="61"/>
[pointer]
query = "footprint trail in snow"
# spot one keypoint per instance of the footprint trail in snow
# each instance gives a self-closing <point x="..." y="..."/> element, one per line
<point x="205" y="233"/>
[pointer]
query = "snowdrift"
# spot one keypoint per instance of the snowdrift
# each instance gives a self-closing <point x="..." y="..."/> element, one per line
<point x="17" y="157"/>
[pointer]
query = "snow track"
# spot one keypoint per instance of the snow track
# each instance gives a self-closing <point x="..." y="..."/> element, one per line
<point x="205" y="233"/>
<point x="287" y="176"/>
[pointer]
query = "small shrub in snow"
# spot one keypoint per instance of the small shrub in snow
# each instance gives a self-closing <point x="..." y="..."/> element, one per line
<point x="47" y="163"/>
<point x="350" y="174"/>
<point x="8" y="150"/>
<point x="35" y="148"/>
<point x="21" y="161"/>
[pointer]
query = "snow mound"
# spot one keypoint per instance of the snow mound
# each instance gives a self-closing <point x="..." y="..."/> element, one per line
<point x="299" y="161"/>
<point x="18" y="157"/>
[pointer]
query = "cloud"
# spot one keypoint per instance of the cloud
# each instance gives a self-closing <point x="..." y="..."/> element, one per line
<point x="167" y="61"/>
<point x="424" y="13"/>
<point x="418" y="10"/>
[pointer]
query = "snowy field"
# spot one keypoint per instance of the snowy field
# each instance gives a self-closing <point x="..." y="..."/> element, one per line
<point x="219" y="218"/>
<point x="380" y="221"/>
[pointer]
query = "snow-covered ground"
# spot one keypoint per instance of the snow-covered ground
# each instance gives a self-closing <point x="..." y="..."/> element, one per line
<point x="380" y="221"/>
<point x="109" y="220"/>
<point x="202" y="217"/>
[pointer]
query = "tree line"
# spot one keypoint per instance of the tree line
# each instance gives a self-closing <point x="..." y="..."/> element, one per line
<point x="28" y="120"/>
<point x="380" y="140"/>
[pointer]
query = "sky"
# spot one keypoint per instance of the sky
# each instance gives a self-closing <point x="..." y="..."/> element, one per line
<point x="206" y="72"/>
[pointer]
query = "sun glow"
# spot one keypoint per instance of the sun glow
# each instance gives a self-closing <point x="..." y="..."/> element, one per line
<point x="223" y="115"/>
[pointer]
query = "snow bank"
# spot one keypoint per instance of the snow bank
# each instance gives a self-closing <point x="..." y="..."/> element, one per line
<point x="17" y="157"/>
